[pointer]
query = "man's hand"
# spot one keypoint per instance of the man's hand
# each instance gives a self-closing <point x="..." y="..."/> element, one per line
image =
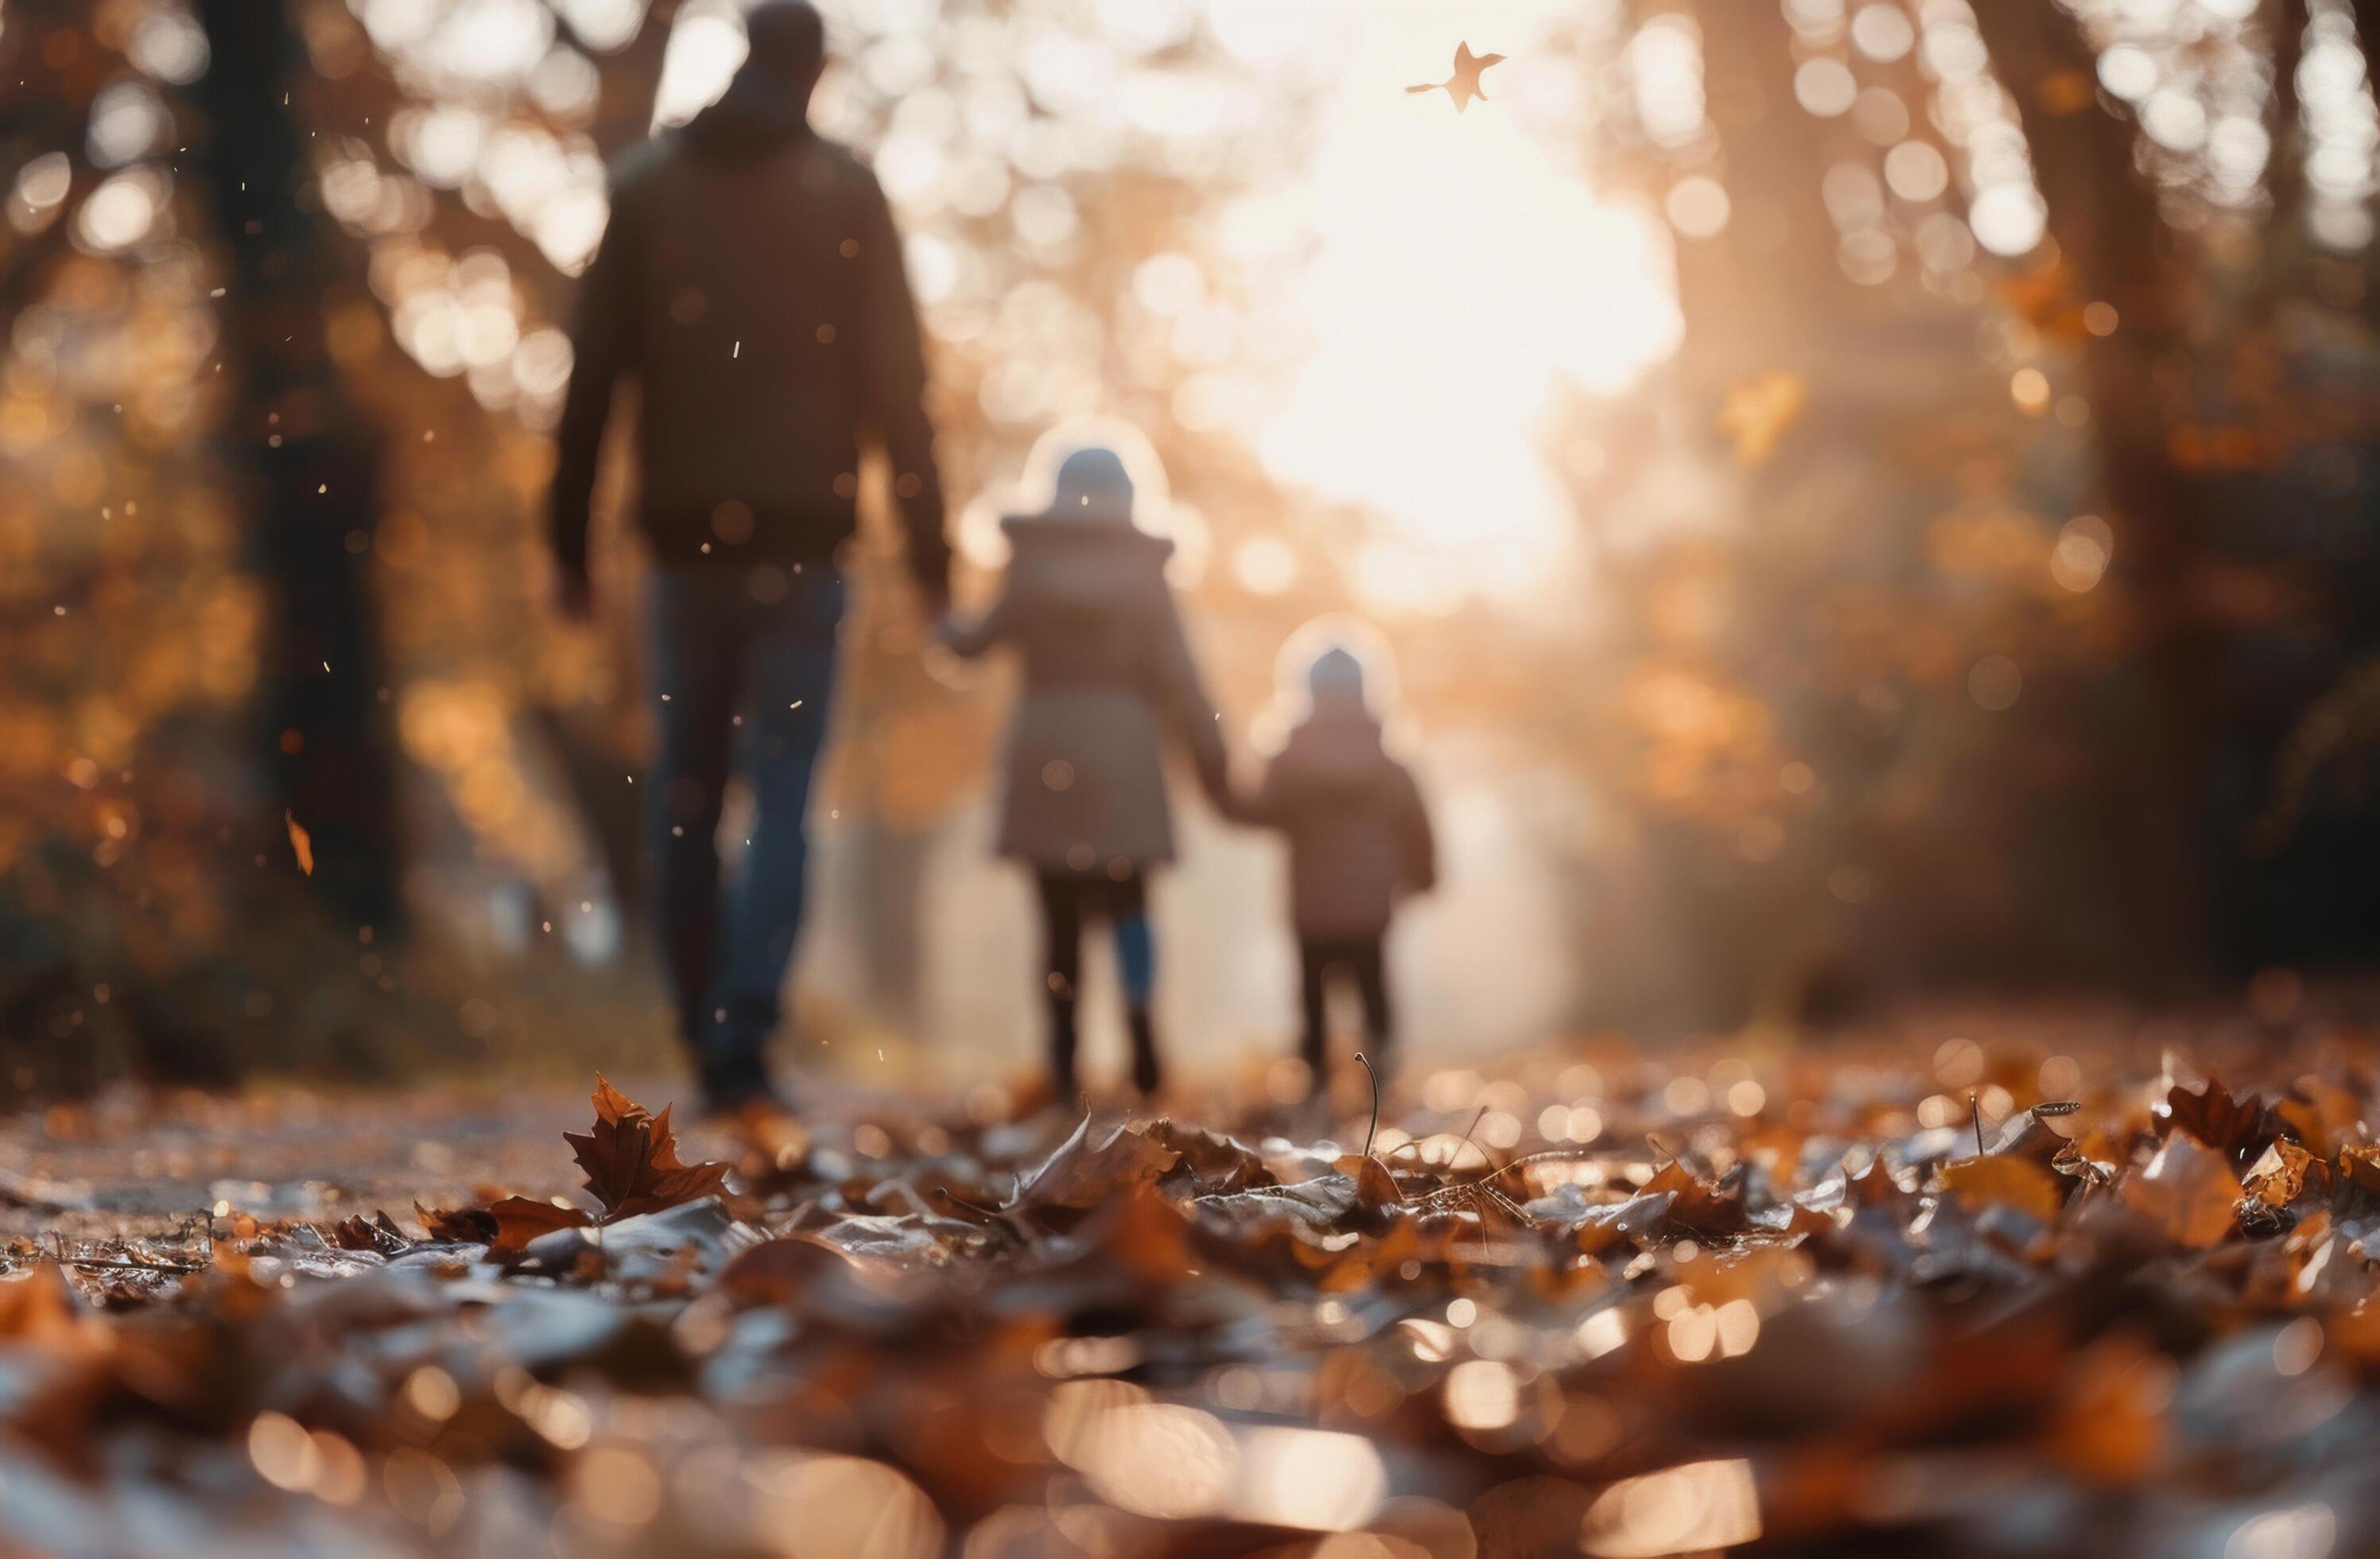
<point x="574" y="591"/>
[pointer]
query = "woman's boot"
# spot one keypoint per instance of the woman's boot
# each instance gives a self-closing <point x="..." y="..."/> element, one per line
<point x="1063" y="1037"/>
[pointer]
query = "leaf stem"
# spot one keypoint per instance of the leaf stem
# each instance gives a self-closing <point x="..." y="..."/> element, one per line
<point x="1372" y="1130"/>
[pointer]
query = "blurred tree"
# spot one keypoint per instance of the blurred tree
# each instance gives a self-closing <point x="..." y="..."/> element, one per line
<point x="310" y="457"/>
<point x="2124" y="297"/>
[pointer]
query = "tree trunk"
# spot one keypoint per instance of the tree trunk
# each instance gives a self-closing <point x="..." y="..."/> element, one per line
<point x="312" y="463"/>
<point x="2118" y="250"/>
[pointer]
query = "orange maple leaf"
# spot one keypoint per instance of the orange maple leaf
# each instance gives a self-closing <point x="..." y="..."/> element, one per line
<point x="631" y="1158"/>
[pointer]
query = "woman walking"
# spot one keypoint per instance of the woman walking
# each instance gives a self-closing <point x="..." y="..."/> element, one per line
<point x="1108" y="679"/>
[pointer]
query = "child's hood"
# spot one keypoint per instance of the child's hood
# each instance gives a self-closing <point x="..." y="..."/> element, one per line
<point x="1336" y="750"/>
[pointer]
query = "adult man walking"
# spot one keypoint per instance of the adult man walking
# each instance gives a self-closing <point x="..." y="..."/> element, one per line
<point x="750" y="283"/>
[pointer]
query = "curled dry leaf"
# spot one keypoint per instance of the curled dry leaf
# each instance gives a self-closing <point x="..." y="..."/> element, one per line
<point x="2235" y="1127"/>
<point x="375" y="1233"/>
<point x="2359" y="1165"/>
<point x="1091" y="1166"/>
<point x="463" y="1225"/>
<point x="2279" y="1176"/>
<point x="1375" y="1186"/>
<point x="1708" y="1209"/>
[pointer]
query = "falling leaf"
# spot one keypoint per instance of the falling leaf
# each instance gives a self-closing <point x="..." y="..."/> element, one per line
<point x="1759" y="413"/>
<point x="631" y="1159"/>
<point x="1464" y="85"/>
<point x="301" y="844"/>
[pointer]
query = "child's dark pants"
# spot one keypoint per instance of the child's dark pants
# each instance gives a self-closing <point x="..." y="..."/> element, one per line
<point x="1067" y="901"/>
<point x="1360" y="958"/>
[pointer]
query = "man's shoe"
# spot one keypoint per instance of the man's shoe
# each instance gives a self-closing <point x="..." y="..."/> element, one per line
<point x="744" y="1090"/>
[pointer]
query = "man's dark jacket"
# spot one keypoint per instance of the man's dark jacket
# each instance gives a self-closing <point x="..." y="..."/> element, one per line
<point x="750" y="283"/>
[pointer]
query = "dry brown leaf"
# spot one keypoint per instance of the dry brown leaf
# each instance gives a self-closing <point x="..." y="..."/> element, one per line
<point x="1375" y="1186"/>
<point x="301" y="844"/>
<point x="1083" y="1173"/>
<point x="38" y="1309"/>
<point x="2007" y="1179"/>
<point x="2235" y="1127"/>
<point x="2111" y="1426"/>
<point x="631" y="1159"/>
<point x="2279" y="1176"/>
<point x="1711" y="1209"/>
<point x="467" y="1226"/>
<point x="2187" y="1189"/>
<point x="520" y="1220"/>
<point x="375" y="1233"/>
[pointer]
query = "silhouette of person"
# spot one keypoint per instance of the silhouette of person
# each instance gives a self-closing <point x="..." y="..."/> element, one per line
<point x="750" y="286"/>
<point x="1108" y="677"/>
<point x="1359" y="844"/>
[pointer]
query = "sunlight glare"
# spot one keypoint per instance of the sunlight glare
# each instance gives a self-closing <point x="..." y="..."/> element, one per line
<point x="1516" y="278"/>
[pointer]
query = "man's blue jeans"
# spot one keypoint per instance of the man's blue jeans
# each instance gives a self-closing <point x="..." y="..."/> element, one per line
<point x="740" y="676"/>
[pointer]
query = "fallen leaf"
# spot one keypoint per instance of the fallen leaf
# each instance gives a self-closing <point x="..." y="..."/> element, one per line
<point x="1081" y="1173"/>
<point x="38" y="1310"/>
<point x="375" y="1233"/>
<point x="519" y="1219"/>
<point x="2279" y="1176"/>
<point x="2005" y="1179"/>
<point x="463" y="1225"/>
<point x="2187" y="1189"/>
<point x="1707" y="1209"/>
<point x="1374" y="1185"/>
<point x="2235" y="1127"/>
<point x="631" y="1159"/>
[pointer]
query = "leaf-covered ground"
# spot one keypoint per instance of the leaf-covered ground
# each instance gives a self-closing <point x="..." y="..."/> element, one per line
<point x="1590" y="1301"/>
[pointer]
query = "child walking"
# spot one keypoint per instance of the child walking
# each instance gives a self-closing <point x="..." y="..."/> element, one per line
<point x="1359" y="841"/>
<point x="1108" y="675"/>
